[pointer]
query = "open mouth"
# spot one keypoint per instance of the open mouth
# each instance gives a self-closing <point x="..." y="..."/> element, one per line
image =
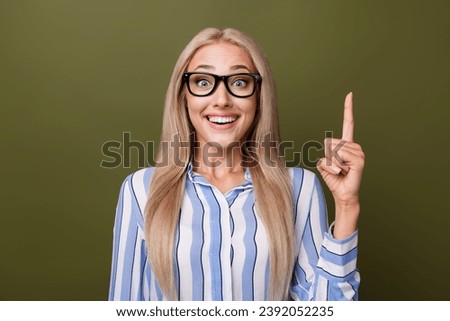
<point x="221" y="120"/>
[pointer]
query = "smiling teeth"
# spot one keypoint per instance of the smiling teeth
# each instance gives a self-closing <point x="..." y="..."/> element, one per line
<point x="222" y="120"/>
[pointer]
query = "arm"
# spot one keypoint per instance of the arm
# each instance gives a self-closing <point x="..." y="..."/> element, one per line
<point x="129" y="254"/>
<point x="326" y="267"/>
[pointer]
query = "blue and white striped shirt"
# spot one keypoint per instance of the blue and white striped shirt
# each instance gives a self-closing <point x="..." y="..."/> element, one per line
<point x="222" y="248"/>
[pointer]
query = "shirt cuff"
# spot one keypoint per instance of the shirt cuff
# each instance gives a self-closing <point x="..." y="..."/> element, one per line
<point x="338" y="257"/>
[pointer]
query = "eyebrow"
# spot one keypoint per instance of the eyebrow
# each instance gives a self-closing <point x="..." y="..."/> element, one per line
<point x="237" y="67"/>
<point x="208" y="67"/>
<point x="234" y="67"/>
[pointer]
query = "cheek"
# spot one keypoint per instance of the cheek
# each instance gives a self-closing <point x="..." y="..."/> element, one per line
<point x="194" y="105"/>
<point x="251" y="109"/>
<point x="191" y="109"/>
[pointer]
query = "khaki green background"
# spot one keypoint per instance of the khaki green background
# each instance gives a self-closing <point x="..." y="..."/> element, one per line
<point x="75" y="74"/>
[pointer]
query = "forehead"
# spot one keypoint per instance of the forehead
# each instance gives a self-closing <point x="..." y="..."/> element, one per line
<point x="221" y="55"/>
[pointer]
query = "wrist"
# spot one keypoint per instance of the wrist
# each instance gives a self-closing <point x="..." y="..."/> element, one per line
<point x="346" y="219"/>
<point x="349" y="203"/>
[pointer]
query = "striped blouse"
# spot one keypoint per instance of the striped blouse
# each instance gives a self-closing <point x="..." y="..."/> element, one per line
<point x="222" y="249"/>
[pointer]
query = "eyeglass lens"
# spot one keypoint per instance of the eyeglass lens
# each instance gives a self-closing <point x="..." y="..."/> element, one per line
<point x="203" y="84"/>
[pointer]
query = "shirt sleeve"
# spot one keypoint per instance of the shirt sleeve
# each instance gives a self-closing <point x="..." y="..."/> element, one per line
<point x="129" y="253"/>
<point x="325" y="268"/>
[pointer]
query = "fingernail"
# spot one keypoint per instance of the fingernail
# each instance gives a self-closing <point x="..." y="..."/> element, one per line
<point x="335" y="169"/>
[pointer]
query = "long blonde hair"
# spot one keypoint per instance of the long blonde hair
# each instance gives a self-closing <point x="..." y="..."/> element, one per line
<point x="271" y="180"/>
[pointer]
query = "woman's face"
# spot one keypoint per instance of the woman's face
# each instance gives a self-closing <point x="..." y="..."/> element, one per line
<point x="221" y="117"/>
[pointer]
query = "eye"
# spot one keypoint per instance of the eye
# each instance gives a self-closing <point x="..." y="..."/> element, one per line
<point x="239" y="83"/>
<point x="202" y="83"/>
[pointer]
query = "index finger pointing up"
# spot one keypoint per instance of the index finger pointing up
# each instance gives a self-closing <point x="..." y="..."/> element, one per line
<point x="348" y="125"/>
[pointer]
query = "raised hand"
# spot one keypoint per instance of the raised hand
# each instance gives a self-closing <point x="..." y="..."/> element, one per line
<point x="342" y="169"/>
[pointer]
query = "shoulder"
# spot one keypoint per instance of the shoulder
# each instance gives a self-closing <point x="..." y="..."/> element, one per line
<point x="303" y="177"/>
<point x="133" y="194"/>
<point x="307" y="192"/>
<point x="137" y="184"/>
<point x="140" y="177"/>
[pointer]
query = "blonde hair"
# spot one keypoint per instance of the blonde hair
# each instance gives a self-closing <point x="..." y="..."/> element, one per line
<point x="272" y="183"/>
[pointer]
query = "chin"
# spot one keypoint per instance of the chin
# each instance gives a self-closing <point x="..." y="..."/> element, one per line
<point x="223" y="143"/>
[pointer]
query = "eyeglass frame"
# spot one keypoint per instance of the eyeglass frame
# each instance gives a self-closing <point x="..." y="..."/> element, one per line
<point x="217" y="79"/>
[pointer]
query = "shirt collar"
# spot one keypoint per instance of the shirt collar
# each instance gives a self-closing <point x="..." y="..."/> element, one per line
<point x="197" y="178"/>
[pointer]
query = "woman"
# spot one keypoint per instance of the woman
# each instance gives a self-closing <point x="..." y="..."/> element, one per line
<point x="221" y="217"/>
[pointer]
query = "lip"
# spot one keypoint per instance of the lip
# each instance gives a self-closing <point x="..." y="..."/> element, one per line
<point x="223" y="126"/>
<point x="221" y="115"/>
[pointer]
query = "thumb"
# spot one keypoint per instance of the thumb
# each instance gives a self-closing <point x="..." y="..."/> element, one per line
<point x="326" y="166"/>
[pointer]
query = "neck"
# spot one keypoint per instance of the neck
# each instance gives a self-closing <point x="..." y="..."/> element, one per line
<point x="213" y="160"/>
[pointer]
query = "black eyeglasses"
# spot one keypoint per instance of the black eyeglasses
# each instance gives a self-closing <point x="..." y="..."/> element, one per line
<point x="240" y="85"/>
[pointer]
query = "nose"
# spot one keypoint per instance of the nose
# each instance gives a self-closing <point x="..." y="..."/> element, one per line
<point x="221" y="96"/>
